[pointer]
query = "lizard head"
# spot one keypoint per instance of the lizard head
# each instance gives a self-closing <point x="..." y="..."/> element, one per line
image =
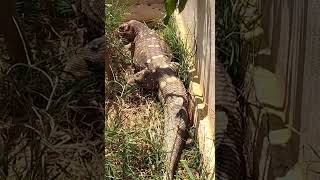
<point x="129" y="30"/>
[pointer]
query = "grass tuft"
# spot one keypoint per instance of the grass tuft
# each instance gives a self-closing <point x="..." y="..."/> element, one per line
<point x="179" y="50"/>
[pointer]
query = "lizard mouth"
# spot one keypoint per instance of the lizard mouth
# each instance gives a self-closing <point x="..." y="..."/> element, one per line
<point x="122" y="30"/>
<point x="125" y="32"/>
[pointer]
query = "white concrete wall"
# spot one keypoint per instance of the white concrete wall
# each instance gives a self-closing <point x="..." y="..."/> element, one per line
<point x="199" y="19"/>
<point x="196" y="24"/>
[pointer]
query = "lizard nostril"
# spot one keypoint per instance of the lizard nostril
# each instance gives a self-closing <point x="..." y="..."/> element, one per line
<point x="122" y="28"/>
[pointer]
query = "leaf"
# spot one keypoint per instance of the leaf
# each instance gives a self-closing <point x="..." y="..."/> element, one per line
<point x="182" y="5"/>
<point x="170" y="6"/>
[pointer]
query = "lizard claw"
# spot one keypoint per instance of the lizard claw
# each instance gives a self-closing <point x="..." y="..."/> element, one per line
<point x="131" y="82"/>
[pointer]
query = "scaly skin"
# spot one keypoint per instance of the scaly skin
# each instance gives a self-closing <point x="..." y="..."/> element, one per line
<point x="152" y="58"/>
<point x="229" y="130"/>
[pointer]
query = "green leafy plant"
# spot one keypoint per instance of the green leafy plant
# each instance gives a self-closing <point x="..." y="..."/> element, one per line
<point x="171" y="6"/>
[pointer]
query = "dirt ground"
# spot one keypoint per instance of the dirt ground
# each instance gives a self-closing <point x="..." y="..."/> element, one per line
<point x="145" y="10"/>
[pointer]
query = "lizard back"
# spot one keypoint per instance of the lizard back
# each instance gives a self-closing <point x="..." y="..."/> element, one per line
<point x="150" y="50"/>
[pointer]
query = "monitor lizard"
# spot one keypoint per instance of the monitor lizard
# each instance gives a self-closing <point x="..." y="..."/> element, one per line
<point x="155" y="70"/>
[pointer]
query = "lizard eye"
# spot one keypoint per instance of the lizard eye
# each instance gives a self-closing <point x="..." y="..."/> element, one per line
<point x="124" y="28"/>
<point x="121" y="28"/>
<point x="125" y="31"/>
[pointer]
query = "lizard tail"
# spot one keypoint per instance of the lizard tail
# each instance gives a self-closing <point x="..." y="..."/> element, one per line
<point x="175" y="138"/>
<point x="175" y="102"/>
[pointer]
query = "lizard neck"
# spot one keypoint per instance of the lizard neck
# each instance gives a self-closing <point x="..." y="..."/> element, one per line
<point x="137" y="31"/>
<point x="140" y="29"/>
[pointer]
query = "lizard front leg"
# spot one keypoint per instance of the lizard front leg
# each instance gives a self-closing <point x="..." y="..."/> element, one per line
<point x="174" y="66"/>
<point x="138" y="77"/>
<point x="145" y="78"/>
<point x="130" y="47"/>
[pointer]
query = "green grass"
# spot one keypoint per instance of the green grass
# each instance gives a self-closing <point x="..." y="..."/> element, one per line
<point x="134" y="118"/>
<point x="134" y="143"/>
<point x="114" y="10"/>
<point x="179" y="50"/>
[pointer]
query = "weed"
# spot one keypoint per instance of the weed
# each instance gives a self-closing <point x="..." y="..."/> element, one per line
<point x="179" y="50"/>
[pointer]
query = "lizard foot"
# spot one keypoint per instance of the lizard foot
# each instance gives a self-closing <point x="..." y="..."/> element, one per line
<point x="131" y="81"/>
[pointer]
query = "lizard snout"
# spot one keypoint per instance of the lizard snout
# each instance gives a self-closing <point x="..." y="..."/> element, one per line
<point x="125" y="31"/>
